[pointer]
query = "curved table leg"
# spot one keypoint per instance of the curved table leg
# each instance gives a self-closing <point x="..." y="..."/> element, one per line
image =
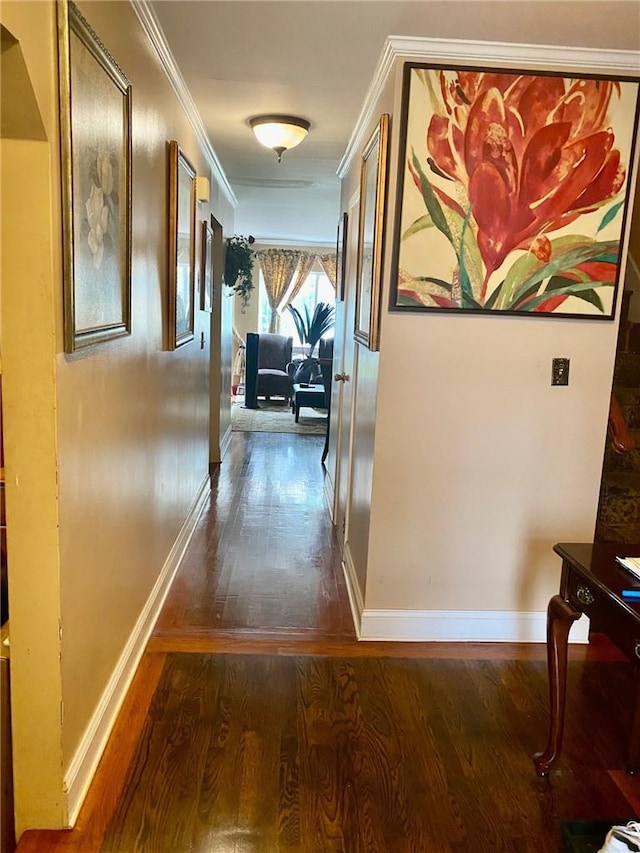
<point x="560" y="617"/>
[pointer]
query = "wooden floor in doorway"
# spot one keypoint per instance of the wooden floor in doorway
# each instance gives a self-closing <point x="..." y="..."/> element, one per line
<point x="257" y="723"/>
<point x="263" y="563"/>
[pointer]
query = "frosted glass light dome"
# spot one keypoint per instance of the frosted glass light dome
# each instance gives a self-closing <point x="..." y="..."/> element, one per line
<point x="279" y="132"/>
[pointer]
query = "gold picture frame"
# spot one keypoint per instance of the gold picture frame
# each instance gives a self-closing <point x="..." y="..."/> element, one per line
<point x="373" y="184"/>
<point x="182" y="247"/>
<point x="341" y="256"/>
<point x="95" y="110"/>
<point x="206" y="271"/>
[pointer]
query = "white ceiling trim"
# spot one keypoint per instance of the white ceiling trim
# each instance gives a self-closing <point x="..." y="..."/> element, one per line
<point x="383" y="69"/>
<point x="533" y="56"/>
<point x="156" y="36"/>
<point x="277" y="241"/>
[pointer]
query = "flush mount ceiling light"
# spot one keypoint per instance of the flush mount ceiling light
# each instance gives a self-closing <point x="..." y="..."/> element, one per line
<point x="279" y="132"/>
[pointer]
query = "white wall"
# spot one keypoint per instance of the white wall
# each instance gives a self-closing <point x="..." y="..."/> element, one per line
<point x="478" y="465"/>
<point x="107" y="449"/>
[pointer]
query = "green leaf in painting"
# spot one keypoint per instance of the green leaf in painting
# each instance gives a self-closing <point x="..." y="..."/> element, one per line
<point x="606" y="259"/>
<point x="434" y="95"/>
<point x="491" y="299"/>
<point x="430" y="200"/>
<point x="577" y="288"/>
<point x="445" y="285"/>
<point x="523" y="269"/>
<point x="404" y="300"/>
<point x="421" y="289"/>
<point x="610" y="215"/>
<point x="455" y="228"/>
<point x="563" y="263"/>
<point x="419" y="225"/>
<point x="468" y="300"/>
<point x="557" y="282"/>
<point x="592" y="297"/>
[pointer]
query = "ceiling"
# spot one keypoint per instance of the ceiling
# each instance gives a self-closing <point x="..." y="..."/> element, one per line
<point x="315" y="59"/>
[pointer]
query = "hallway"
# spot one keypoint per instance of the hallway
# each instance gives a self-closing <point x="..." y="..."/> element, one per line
<point x="257" y="723"/>
<point x="272" y="565"/>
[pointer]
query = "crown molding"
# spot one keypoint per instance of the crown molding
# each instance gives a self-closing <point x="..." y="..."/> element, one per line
<point x="278" y="242"/>
<point x="484" y="53"/>
<point x="155" y="34"/>
<point x="380" y="77"/>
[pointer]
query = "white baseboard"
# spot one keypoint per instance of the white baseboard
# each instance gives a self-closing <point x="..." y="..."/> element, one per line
<point x="225" y="442"/>
<point x="85" y="761"/>
<point x="452" y="626"/>
<point x="330" y="497"/>
<point x="354" y="592"/>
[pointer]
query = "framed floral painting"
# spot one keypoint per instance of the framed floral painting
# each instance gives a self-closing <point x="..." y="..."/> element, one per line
<point x="373" y="188"/>
<point x="95" y="110"/>
<point x="182" y="247"/>
<point x="513" y="191"/>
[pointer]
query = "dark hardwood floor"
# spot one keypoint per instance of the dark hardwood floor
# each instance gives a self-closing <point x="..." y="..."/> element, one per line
<point x="257" y="723"/>
<point x="263" y="560"/>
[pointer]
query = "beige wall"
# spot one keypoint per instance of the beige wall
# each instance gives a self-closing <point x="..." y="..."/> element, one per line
<point x="478" y="466"/>
<point x="29" y="406"/>
<point x="246" y="319"/>
<point x="131" y="420"/>
<point x="363" y="372"/>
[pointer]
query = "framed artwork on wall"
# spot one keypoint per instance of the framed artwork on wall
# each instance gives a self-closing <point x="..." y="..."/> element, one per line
<point x="95" y="116"/>
<point x="206" y="274"/>
<point x="373" y="183"/>
<point x="182" y="247"/>
<point x="513" y="191"/>
<point x="341" y="256"/>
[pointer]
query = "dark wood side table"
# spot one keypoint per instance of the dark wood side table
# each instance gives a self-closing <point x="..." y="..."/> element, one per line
<point x="591" y="583"/>
<point x="307" y="395"/>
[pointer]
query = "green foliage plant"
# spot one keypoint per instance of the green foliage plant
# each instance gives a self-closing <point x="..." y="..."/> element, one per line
<point x="312" y="327"/>
<point x="238" y="267"/>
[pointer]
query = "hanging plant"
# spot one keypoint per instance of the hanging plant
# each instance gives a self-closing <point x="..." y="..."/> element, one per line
<point x="238" y="267"/>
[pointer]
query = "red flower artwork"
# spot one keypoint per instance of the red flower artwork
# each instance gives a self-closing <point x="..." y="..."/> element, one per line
<point x="509" y="161"/>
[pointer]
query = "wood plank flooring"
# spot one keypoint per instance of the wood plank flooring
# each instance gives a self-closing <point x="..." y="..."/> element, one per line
<point x="263" y="753"/>
<point x="263" y="558"/>
<point x="258" y="724"/>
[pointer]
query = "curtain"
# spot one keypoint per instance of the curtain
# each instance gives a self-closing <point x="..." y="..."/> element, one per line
<point x="329" y="264"/>
<point x="304" y="268"/>
<point x="278" y="269"/>
<point x="237" y="371"/>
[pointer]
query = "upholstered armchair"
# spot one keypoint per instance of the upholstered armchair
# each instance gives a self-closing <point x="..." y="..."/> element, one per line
<point x="267" y="357"/>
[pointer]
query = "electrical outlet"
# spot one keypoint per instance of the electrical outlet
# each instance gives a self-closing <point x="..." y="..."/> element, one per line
<point x="560" y="371"/>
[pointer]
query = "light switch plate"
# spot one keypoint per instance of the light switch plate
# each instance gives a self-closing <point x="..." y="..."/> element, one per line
<point x="560" y="371"/>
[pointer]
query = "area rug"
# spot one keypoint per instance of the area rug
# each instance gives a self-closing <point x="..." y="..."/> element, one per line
<point x="275" y="417"/>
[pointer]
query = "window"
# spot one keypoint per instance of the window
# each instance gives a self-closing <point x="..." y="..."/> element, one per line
<point x="317" y="288"/>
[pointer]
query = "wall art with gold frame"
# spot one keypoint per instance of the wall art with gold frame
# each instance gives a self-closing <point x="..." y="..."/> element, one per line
<point x="182" y="247"/>
<point x="95" y="110"/>
<point x="341" y="256"/>
<point x="206" y="272"/>
<point x="373" y="185"/>
<point x="513" y="191"/>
